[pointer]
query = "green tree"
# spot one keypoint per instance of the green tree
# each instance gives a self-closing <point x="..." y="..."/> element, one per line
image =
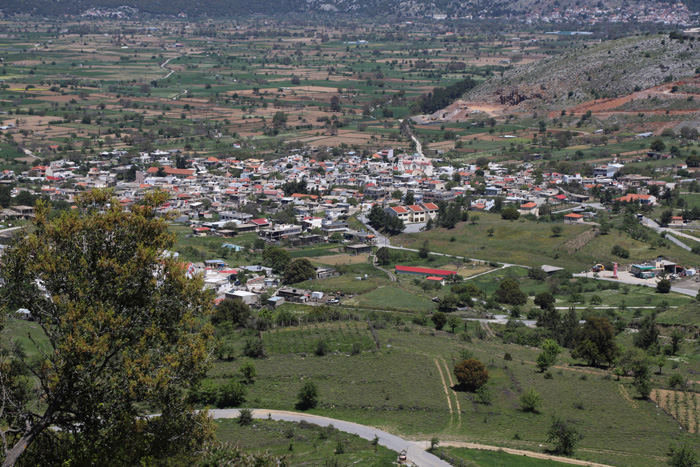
<point x="383" y="256"/>
<point x="510" y="214"/>
<point x="5" y="197"/>
<point x="453" y="323"/>
<point x="530" y="400"/>
<point x="666" y="217"/>
<point x="248" y="372"/>
<point x="279" y="120"/>
<point x="376" y="217"/>
<point x="663" y="286"/>
<point x="448" y="303"/>
<point x="276" y="258"/>
<point x="564" y="436"/>
<point x="233" y="312"/>
<point x="299" y="270"/>
<point x="24" y="198"/>
<point x="595" y="342"/>
<point x="683" y="456"/>
<point x="123" y="326"/>
<point x="471" y="374"/>
<point x="424" y="251"/>
<point x="557" y="230"/>
<point x="545" y="300"/>
<point x="308" y="396"/>
<point x="509" y="292"/>
<point x="409" y="199"/>
<point x="676" y="341"/>
<point x="439" y="319"/>
<point x="648" y="335"/>
<point x="231" y="394"/>
<point x="657" y="145"/>
<point x="550" y="351"/>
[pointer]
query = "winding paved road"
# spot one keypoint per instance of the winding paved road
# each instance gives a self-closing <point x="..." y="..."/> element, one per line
<point x="416" y="452"/>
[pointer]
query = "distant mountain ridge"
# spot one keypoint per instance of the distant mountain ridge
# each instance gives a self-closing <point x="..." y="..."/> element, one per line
<point x="379" y="8"/>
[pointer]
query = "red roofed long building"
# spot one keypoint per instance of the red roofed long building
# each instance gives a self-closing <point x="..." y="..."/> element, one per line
<point x="423" y="271"/>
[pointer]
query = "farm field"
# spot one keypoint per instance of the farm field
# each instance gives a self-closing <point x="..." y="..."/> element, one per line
<point x="402" y="388"/>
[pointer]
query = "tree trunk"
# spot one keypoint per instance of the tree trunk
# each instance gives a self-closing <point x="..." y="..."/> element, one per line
<point x="12" y="456"/>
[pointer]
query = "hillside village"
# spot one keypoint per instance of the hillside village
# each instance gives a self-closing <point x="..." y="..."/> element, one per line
<point x="308" y="197"/>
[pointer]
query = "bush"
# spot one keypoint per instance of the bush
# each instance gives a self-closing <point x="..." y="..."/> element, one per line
<point x="307" y="397"/>
<point x="254" y="348"/>
<point x="676" y="381"/>
<point x="663" y="286"/>
<point x="471" y="374"/>
<point x="507" y="356"/>
<point x="530" y="401"/>
<point x="510" y="214"/>
<point x="564" y="436"/>
<point x="321" y="348"/>
<point x="231" y="394"/>
<point x="207" y="393"/>
<point x="245" y="417"/>
<point x="248" y="372"/>
<point x="439" y="320"/>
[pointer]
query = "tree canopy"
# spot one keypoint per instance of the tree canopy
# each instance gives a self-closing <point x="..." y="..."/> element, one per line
<point x="471" y="374"/>
<point x="595" y="342"/>
<point x="123" y="335"/>
<point x="509" y="292"/>
<point x="299" y="270"/>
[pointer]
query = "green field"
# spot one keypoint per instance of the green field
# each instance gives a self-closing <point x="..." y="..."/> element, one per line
<point x="399" y="389"/>
<point x="480" y="458"/>
<point x="532" y="243"/>
<point x="303" y="443"/>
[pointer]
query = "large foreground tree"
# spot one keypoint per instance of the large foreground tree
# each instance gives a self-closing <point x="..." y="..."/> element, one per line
<point x="118" y="336"/>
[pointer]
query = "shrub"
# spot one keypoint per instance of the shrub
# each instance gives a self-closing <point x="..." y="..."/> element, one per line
<point x="439" y="320"/>
<point x="245" y="417"/>
<point x="248" y="372"/>
<point x="208" y="392"/>
<point x="663" y="286"/>
<point x="564" y="436"/>
<point x="530" y="401"/>
<point x="231" y="394"/>
<point x="254" y="348"/>
<point x="307" y="397"/>
<point x="471" y="374"/>
<point x="321" y="348"/>
<point x="507" y="356"/>
<point x="676" y="381"/>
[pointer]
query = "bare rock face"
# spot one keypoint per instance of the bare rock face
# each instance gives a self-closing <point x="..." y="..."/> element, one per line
<point x="515" y="96"/>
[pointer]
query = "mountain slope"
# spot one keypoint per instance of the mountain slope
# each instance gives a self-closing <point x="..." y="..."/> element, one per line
<point x="608" y="69"/>
<point x="382" y="8"/>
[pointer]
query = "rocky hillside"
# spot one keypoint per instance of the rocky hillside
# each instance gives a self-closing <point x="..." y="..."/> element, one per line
<point x="609" y="69"/>
<point x="371" y="8"/>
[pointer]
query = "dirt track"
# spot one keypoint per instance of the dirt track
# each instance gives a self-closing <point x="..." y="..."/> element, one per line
<point x="520" y="452"/>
